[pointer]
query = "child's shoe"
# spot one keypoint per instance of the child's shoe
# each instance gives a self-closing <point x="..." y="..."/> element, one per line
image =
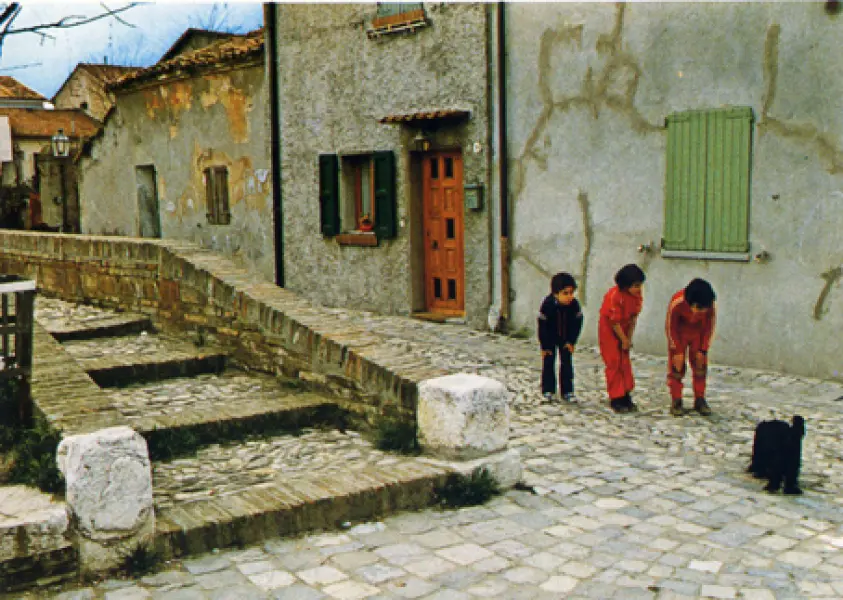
<point x="630" y="405"/>
<point x="548" y="396"/>
<point x="676" y="407"/>
<point x="619" y="405"/>
<point x="570" y="397"/>
<point x="701" y="406"/>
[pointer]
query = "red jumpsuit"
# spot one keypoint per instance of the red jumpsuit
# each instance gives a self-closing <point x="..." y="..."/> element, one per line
<point x="687" y="334"/>
<point x="621" y="308"/>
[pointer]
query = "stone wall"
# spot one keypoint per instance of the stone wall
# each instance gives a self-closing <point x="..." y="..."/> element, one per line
<point x="265" y="327"/>
<point x="353" y="81"/>
<point x="589" y="88"/>
<point x="81" y="87"/>
<point x="181" y="128"/>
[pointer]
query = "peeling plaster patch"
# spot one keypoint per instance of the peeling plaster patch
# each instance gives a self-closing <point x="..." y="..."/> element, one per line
<point x="831" y="277"/>
<point x="588" y="233"/>
<point x="235" y="102"/>
<point x="807" y="133"/>
<point x="171" y="207"/>
<point x="174" y="130"/>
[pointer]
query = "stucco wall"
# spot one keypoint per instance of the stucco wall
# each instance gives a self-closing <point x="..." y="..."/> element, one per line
<point x="83" y="87"/>
<point x="590" y="86"/>
<point x="183" y="127"/>
<point x="351" y="82"/>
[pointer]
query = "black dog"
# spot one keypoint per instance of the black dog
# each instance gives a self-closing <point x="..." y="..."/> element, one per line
<point x="777" y="454"/>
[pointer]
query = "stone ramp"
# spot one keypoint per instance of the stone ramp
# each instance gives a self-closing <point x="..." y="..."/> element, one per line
<point x="242" y="490"/>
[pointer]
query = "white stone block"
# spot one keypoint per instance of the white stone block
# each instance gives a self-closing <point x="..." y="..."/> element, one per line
<point x="108" y="492"/>
<point x="462" y="416"/>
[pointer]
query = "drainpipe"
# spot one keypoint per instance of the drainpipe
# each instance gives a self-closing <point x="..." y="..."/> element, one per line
<point x="270" y="17"/>
<point x="503" y="164"/>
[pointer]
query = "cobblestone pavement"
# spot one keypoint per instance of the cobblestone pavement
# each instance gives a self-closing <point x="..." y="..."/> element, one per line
<point x="631" y="506"/>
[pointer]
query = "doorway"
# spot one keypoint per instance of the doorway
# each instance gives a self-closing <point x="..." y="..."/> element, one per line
<point x="150" y="219"/>
<point x="443" y="233"/>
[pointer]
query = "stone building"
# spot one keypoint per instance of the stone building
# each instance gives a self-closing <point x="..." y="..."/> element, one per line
<point x="694" y="139"/>
<point x="84" y="89"/>
<point x="36" y="188"/>
<point x="184" y="154"/>
<point x="392" y="116"/>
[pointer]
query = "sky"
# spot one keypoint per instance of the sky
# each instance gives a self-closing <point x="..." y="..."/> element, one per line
<point x="44" y="64"/>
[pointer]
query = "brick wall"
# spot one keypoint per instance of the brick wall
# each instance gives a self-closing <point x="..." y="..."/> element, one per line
<point x="185" y="287"/>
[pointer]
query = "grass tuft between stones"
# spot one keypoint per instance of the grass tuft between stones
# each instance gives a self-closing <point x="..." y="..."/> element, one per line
<point x="140" y="561"/>
<point x="467" y="490"/>
<point x="396" y="436"/>
<point x="29" y="448"/>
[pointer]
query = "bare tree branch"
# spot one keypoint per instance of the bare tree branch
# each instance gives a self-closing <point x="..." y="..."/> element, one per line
<point x="8" y="10"/>
<point x="71" y="21"/>
<point x="116" y="18"/>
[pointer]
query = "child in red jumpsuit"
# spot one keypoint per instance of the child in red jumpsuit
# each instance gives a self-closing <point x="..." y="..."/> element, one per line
<point x="620" y="309"/>
<point x="689" y="327"/>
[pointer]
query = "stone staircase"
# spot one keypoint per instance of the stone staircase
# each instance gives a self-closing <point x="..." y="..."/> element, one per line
<point x="271" y="458"/>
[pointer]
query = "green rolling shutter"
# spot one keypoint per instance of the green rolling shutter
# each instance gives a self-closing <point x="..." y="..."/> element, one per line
<point x="384" y="194"/>
<point x="329" y="201"/>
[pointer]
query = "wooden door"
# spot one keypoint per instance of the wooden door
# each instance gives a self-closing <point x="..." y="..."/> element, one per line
<point x="150" y="219"/>
<point x="444" y="276"/>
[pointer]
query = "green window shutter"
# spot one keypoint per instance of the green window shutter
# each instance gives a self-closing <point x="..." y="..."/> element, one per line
<point x="727" y="186"/>
<point x="684" y="210"/>
<point x="329" y="201"/>
<point x="384" y="194"/>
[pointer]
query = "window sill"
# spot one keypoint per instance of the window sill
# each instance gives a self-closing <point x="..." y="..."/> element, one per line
<point x="407" y="22"/>
<point x="357" y="239"/>
<point x="705" y="255"/>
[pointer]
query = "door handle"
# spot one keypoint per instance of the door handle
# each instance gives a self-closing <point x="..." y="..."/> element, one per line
<point x="435" y="245"/>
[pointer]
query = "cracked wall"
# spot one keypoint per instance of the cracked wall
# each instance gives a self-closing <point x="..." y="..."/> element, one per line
<point x="182" y="127"/>
<point x="590" y="88"/>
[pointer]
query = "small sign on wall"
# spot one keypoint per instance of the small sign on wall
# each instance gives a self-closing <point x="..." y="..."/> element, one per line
<point x="473" y="196"/>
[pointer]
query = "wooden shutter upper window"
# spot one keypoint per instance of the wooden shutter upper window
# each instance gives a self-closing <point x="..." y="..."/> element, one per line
<point x="707" y="180"/>
<point x="216" y="195"/>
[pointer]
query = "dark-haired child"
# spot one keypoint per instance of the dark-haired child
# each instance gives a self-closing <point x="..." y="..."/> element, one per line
<point x="618" y="314"/>
<point x="689" y="327"/>
<point x="559" y="327"/>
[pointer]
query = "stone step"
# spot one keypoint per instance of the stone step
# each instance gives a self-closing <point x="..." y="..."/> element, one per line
<point x="68" y="321"/>
<point x="218" y="407"/>
<point x="119" y="325"/>
<point x="116" y="361"/>
<point x="294" y="505"/>
<point x="33" y="545"/>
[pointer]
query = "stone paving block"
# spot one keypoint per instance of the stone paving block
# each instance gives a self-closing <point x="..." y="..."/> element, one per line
<point x="297" y="592"/>
<point x="350" y="590"/>
<point x="271" y="579"/>
<point x="322" y="575"/>
<point x="378" y="573"/>
<point x="464" y="554"/>
<point x="561" y="584"/>
<point x="718" y="591"/>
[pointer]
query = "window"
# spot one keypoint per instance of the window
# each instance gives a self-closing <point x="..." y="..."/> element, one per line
<point x="707" y="189"/>
<point x="357" y="194"/>
<point x="394" y="17"/>
<point x="216" y="195"/>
